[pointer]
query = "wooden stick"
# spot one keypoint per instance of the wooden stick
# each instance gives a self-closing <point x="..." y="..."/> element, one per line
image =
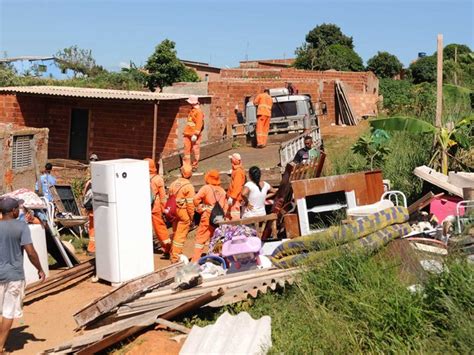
<point x="173" y="325"/>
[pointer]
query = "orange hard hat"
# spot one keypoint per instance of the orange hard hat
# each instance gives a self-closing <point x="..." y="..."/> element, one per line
<point x="186" y="170"/>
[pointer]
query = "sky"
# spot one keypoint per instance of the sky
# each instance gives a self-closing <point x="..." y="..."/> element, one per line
<point x="224" y="32"/>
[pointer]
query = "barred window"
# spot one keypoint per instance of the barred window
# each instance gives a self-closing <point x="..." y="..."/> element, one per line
<point x="22" y="152"/>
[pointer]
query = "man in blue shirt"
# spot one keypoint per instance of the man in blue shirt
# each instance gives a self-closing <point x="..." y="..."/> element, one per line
<point x="47" y="180"/>
<point x="14" y="238"/>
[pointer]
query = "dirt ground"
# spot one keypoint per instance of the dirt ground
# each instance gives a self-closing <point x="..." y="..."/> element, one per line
<point x="48" y="322"/>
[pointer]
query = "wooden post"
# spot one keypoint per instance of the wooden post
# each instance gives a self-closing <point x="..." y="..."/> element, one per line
<point x="455" y="62"/>
<point x="439" y="82"/>
<point x="155" y="127"/>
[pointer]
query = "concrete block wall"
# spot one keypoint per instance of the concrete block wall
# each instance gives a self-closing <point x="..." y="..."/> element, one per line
<point x="25" y="177"/>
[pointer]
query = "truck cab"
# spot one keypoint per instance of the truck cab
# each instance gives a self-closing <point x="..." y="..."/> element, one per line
<point x="288" y="113"/>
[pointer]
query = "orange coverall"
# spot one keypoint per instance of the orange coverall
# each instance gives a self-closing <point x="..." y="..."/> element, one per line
<point x="90" y="214"/>
<point x="205" y="201"/>
<point x="184" y="192"/>
<point x="235" y="190"/>
<point x="194" y="126"/>
<point x="157" y="186"/>
<point x="264" y="105"/>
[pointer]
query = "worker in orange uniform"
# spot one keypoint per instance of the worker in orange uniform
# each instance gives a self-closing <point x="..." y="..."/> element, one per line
<point x="184" y="192"/>
<point x="205" y="200"/>
<point x="192" y="133"/>
<point x="157" y="186"/>
<point x="264" y="105"/>
<point x="234" y="192"/>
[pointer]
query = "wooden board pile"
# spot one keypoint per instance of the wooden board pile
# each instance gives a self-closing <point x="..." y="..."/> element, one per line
<point x="143" y="302"/>
<point x="344" y="112"/>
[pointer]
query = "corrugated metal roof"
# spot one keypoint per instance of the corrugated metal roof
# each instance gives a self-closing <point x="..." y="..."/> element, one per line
<point x="67" y="91"/>
<point x="239" y="334"/>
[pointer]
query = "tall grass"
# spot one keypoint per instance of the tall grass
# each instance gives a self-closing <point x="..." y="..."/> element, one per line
<point x="360" y="305"/>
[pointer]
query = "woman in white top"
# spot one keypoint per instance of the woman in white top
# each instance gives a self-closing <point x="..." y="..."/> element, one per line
<point x="254" y="194"/>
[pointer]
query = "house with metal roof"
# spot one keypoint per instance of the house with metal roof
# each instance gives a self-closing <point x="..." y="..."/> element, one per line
<point x="111" y="123"/>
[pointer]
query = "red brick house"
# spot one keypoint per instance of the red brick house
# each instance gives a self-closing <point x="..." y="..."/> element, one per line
<point x="111" y="123"/>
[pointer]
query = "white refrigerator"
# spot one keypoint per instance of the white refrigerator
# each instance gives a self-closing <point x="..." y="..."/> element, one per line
<point x="122" y="219"/>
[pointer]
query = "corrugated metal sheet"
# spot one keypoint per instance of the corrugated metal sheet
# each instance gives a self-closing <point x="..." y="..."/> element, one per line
<point x="239" y="334"/>
<point x="68" y="91"/>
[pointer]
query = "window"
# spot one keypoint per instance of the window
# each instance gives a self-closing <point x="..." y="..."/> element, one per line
<point x="22" y="156"/>
<point x="283" y="109"/>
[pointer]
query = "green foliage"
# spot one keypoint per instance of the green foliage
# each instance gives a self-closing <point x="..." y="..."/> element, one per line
<point x="450" y="49"/>
<point x="8" y="75"/>
<point x="306" y="57"/>
<point x="424" y="70"/>
<point x="164" y="68"/>
<point x="339" y="57"/>
<point x="326" y="35"/>
<point x="397" y="98"/>
<point x="373" y="148"/>
<point x="361" y="305"/>
<point x="384" y="65"/>
<point x="326" y="47"/>
<point x="78" y="60"/>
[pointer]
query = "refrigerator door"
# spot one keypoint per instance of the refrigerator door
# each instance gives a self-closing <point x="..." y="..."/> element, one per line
<point x="106" y="242"/>
<point x="135" y="241"/>
<point x="103" y="176"/>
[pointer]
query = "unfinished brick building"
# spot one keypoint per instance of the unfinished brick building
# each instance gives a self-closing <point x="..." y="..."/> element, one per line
<point x="235" y="84"/>
<point x="111" y="123"/>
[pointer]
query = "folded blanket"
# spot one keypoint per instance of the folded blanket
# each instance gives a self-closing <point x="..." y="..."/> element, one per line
<point x="362" y="246"/>
<point x="345" y="233"/>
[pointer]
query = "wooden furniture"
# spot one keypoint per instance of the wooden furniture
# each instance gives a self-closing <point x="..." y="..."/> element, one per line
<point x="359" y="188"/>
<point x="258" y="223"/>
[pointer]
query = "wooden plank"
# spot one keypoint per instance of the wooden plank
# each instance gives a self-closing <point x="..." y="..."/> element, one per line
<point x="57" y="200"/>
<point x="349" y="182"/>
<point x="208" y="150"/>
<point x="292" y="227"/>
<point x="374" y="183"/>
<point x="116" y="337"/>
<point x="438" y="179"/>
<point x="251" y="220"/>
<point x="421" y="203"/>
<point x="124" y="293"/>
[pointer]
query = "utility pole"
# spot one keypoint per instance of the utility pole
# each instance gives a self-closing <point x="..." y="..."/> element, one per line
<point x="455" y="65"/>
<point x="439" y="82"/>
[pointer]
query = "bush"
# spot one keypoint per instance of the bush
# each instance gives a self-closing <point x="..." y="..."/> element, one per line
<point x="397" y="97"/>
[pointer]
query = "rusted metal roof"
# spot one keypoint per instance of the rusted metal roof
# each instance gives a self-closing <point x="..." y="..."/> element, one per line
<point x="108" y="94"/>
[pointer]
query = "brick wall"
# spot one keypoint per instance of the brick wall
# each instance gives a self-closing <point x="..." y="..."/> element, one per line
<point x="236" y="84"/>
<point x="117" y="129"/>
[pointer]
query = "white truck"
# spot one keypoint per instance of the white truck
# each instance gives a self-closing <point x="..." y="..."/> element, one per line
<point x="290" y="113"/>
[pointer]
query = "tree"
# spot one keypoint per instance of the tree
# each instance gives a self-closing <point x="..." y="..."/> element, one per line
<point x="80" y="61"/>
<point x="164" y="68"/>
<point x="339" y="57"/>
<point x="384" y="65"/>
<point x="450" y="49"/>
<point x="424" y="70"/>
<point x="323" y="44"/>
<point x="326" y="35"/>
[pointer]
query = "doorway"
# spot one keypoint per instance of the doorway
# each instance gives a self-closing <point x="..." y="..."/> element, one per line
<point x="78" y="134"/>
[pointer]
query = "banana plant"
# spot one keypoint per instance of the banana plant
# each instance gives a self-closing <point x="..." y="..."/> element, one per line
<point x="445" y="137"/>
